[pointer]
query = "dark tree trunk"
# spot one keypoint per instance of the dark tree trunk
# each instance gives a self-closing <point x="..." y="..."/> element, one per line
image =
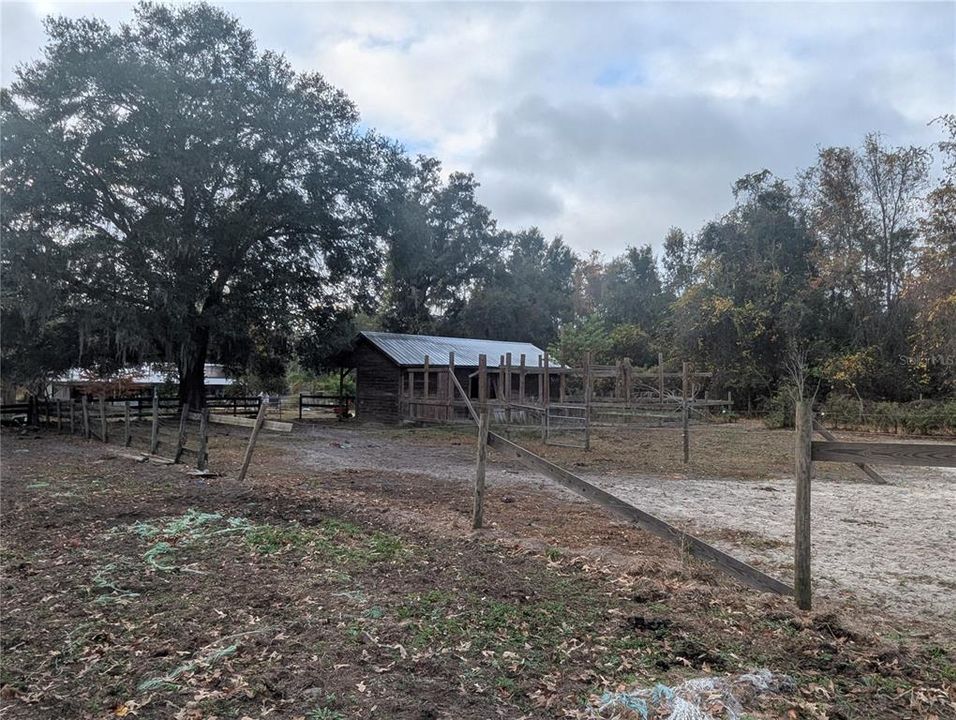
<point x="192" y="376"/>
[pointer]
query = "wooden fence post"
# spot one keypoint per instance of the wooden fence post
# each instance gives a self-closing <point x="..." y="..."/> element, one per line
<point x="804" y="469"/>
<point x="247" y="458"/>
<point x="588" y="383"/>
<point x="104" y="433"/>
<point x="59" y="418"/>
<point x="685" y="410"/>
<point x="154" y="431"/>
<point x="72" y="416"/>
<point x="660" y="376"/>
<point x="426" y="376"/>
<point x="507" y="392"/>
<point x="46" y="405"/>
<point x="483" y="424"/>
<point x="181" y="438"/>
<point x="450" y="388"/>
<point x="300" y="407"/>
<point x="546" y="394"/>
<point x="522" y="379"/>
<point x="202" y="457"/>
<point x="128" y="433"/>
<point x="86" y="418"/>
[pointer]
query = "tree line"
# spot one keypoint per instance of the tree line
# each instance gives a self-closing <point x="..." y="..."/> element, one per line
<point x="171" y="193"/>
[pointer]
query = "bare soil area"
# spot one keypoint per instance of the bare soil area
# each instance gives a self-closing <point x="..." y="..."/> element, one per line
<point x="342" y="580"/>
<point x="885" y="546"/>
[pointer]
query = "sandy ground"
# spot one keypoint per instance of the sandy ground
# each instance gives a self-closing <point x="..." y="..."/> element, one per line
<point x="888" y="546"/>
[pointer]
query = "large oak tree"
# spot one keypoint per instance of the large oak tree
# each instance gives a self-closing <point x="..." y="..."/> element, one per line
<point x="172" y="193"/>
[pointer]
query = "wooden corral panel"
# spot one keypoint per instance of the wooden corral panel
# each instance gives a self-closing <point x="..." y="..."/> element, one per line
<point x="377" y="385"/>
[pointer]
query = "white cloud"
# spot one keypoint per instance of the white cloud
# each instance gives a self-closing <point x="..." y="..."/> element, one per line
<point x="608" y="123"/>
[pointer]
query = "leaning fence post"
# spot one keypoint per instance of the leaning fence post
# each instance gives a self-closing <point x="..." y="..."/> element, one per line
<point x="803" y="463"/>
<point x="202" y="459"/>
<point x="181" y="439"/>
<point x="483" y="423"/>
<point x="154" y="431"/>
<point x="260" y="419"/>
<point x="104" y="433"/>
<point x="685" y="410"/>
<point x="86" y="417"/>
<point x="450" y="388"/>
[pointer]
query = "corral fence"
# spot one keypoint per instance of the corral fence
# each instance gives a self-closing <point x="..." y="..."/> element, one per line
<point x="861" y="454"/>
<point x="166" y="422"/>
<point x="341" y="405"/>
<point x="564" y="402"/>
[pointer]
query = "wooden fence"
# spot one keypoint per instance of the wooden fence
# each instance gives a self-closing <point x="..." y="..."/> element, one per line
<point x="863" y="455"/>
<point x="565" y="403"/>
<point x="738" y="569"/>
<point x="340" y="405"/>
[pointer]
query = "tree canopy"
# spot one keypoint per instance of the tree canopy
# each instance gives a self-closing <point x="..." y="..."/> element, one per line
<point x="181" y="193"/>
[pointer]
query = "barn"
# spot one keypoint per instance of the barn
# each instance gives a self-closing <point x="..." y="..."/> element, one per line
<point x="390" y="367"/>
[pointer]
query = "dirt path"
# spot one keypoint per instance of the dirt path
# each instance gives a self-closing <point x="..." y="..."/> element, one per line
<point x="889" y="545"/>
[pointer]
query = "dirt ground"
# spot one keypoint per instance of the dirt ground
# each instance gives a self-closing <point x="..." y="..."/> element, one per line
<point x="886" y="546"/>
<point x="342" y="580"/>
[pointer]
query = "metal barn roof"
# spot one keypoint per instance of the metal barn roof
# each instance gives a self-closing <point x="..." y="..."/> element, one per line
<point x="410" y="350"/>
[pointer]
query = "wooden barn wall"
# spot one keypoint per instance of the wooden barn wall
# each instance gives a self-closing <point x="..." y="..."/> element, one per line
<point x="377" y="383"/>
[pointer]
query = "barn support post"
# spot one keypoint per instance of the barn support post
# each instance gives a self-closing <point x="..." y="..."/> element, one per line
<point x="86" y="417"/>
<point x="483" y="425"/>
<point x="685" y="410"/>
<point x="507" y="397"/>
<point x="253" y="436"/>
<point x="154" y="430"/>
<point x="803" y="466"/>
<point x="540" y="382"/>
<point x="522" y="379"/>
<point x="202" y="456"/>
<point x="450" y="388"/>
<point x="588" y="383"/>
<point x="127" y="432"/>
<point x="426" y="375"/>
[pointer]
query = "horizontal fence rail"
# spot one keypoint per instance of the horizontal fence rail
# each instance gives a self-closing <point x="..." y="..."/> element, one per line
<point x="918" y="454"/>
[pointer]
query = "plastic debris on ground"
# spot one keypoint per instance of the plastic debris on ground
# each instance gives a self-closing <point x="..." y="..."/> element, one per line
<point x="707" y="698"/>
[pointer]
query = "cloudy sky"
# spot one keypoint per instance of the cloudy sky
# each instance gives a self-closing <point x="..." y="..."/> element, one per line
<point x="606" y="123"/>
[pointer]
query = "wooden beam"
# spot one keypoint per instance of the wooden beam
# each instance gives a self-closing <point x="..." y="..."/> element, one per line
<point x="743" y="572"/>
<point x="181" y="438"/>
<point x="803" y="468"/>
<point x="450" y="389"/>
<point x="202" y="456"/>
<point x="923" y="455"/>
<point x="154" y="430"/>
<point x="127" y="431"/>
<point x="217" y="419"/>
<point x="253" y="436"/>
<point x="588" y="388"/>
<point x="521" y="379"/>
<point x="86" y="418"/>
<point x="685" y="412"/>
<point x="865" y="469"/>
<point x="479" y="499"/>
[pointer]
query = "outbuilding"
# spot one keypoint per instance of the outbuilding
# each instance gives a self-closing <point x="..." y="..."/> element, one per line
<point x="391" y="369"/>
